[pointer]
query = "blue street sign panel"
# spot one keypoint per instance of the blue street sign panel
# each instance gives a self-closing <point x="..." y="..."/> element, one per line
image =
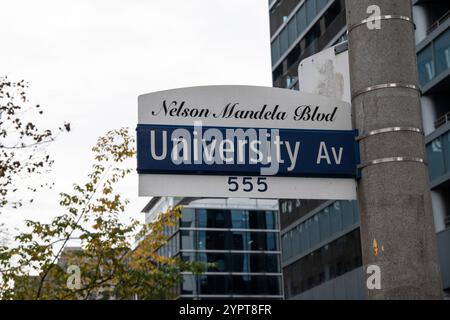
<point x="165" y="149"/>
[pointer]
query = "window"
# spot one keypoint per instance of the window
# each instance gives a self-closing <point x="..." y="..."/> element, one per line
<point x="446" y="144"/>
<point x="273" y="286"/>
<point x="275" y="50"/>
<point x="442" y="52"/>
<point x="280" y="13"/>
<point x="309" y="44"/>
<point x="239" y="219"/>
<point x="347" y="213"/>
<point x="310" y="10"/>
<point x="188" y="218"/>
<point x="314" y="229"/>
<point x="336" y="217"/>
<point x="257" y="220"/>
<point x="271" y="220"/>
<point x="271" y="241"/>
<point x="216" y="262"/>
<point x="286" y="246"/>
<point x="238" y="284"/>
<point x="301" y="20"/>
<point x="270" y="285"/>
<point x="321" y="4"/>
<point x="327" y="223"/>
<point x="201" y="218"/>
<point x="272" y="262"/>
<point x="235" y="262"/>
<point x="188" y="256"/>
<point x="187" y="240"/>
<point x="242" y="263"/>
<point x="436" y="160"/>
<point x="225" y="219"/>
<point x="296" y="241"/>
<point x="324" y="224"/>
<point x="212" y="240"/>
<point x="188" y="286"/>
<point x="214" y="284"/>
<point x="292" y="30"/>
<point x="426" y="65"/>
<point x="438" y="152"/>
<point x="284" y="41"/>
<point x="241" y="241"/>
<point x="217" y="219"/>
<point x="328" y="262"/>
<point x="261" y="220"/>
<point x="355" y="211"/>
<point x="258" y="241"/>
<point x="204" y="240"/>
<point x="304" y="236"/>
<point x="201" y="240"/>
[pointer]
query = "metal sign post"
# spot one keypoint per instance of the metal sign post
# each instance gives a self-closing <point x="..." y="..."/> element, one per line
<point x="397" y="233"/>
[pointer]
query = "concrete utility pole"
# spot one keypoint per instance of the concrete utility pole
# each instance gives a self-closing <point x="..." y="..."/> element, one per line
<point x="397" y="229"/>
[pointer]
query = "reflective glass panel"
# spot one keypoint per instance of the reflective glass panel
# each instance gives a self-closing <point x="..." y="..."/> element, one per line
<point x="442" y="52"/>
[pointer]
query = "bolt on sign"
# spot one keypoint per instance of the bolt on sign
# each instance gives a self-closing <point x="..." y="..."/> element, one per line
<point x="245" y="141"/>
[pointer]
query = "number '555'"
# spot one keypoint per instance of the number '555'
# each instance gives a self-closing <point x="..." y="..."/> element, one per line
<point x="247" y="184"/>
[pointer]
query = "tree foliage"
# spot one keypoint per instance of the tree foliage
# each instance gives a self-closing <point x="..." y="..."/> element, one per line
<point x="22" y="152"/>
<point x="108" y="263"/>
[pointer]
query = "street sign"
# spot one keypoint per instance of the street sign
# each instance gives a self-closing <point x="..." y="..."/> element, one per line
<point x="327" y="73"/>
<point x="243" y="141"/>
<point x="241" y="151"/>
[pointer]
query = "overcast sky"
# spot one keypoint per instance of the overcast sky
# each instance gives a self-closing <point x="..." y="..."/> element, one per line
<point x="87" y="61"/>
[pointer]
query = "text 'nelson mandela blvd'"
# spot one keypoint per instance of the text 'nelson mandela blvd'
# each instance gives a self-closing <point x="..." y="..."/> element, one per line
<point x="234" y="110"/>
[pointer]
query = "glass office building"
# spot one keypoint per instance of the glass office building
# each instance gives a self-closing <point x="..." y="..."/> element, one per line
<point x="298" y="29"/>
<point x="320" y="242"/>
<point x="433" y="57"/>
<point x="238" y="241"/>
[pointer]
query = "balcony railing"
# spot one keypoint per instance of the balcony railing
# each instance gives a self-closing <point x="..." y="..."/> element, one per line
<point x="442" y="120"/>
<point x="438" y="22"/>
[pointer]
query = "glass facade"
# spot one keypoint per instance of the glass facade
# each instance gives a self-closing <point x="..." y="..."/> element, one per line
<point x="326" y="263"/>
<point x="296" y="25"/>
<point x="231" y="285"/>
<point x="300" y="38"/>
<point x="229" y="219"/>
<point x="339" y="217"/>
<point x="280" y="13"/>
<point x="249" y="262"/>
<point x="228" y="240"/>
<point x="438" y="154"/>
<point x="240" y="249"/>
<point x="292" y="210"/>
<point x="434" y="59"/>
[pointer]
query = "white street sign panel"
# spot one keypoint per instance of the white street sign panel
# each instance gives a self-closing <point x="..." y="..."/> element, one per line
<point x="219" y="187"/>
<point x="244" y="106"/>
<point x="244" y="141"/>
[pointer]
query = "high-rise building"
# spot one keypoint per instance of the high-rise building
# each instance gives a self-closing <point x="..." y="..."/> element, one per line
<point x="432" y="20"/>
<point x="320" y="241"/>
<point x="299" y="29"/>
<point x="237" y="239"/>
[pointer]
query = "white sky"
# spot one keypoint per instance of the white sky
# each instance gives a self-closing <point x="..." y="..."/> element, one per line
<point x="87" y="61"/>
